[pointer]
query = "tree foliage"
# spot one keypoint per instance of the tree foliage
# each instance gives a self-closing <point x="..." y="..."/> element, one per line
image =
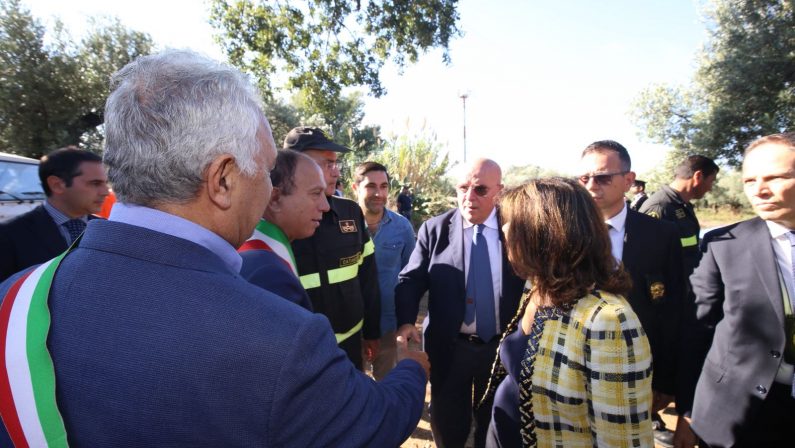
<point x="343" y="123"/>
<point x="53" y="94"/>
<point x="744" y="87"/>
<point x="325" y="45"/>
<point x="517" y="175"/>
<point x="418" y="161"/>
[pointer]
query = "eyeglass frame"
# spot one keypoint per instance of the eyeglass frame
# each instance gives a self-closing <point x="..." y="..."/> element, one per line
<point x="480" y="190"/>
<point x="603" y="179"/>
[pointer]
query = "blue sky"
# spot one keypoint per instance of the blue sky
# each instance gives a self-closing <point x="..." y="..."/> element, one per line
<point x="544" y="78"/>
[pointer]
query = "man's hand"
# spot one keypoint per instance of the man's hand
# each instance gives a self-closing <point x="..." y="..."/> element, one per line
<point x="403" y="352"/>
<point x="409" y="333"/>
<point x="684" y="437"/>
<point x="371" y="347"/>
<point x="660" y="401"/>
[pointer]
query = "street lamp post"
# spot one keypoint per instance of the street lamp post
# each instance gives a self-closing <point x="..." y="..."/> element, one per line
<point x="464" y="97"/>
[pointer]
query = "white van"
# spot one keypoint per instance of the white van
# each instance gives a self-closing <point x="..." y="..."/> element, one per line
<point x="20" y="188"/>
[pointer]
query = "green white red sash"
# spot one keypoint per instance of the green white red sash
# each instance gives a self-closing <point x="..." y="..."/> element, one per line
<point x="271" y="238"/>
<point x="27" y="376"/>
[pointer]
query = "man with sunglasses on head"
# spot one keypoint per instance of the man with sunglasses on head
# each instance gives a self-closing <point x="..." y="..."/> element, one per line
<point x="649" y="251"/>
<point x="460" y="261"/>
<point x="337" y="265"/>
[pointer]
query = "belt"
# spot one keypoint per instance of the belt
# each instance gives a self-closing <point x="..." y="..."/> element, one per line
<point x="472" y="338"/>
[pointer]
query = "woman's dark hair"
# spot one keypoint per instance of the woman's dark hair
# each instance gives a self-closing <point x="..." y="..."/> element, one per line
<point x="557" y="239"/>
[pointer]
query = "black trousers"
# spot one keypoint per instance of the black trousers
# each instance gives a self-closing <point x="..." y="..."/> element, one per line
<point x="353" y="348"/>
<point x="452" y="399"/>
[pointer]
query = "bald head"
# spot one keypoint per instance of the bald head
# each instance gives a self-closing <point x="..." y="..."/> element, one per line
<point x="477" y="189"/>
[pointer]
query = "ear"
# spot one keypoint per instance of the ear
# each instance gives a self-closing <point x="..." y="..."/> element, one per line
<point x="221" y="179"/>
<point x="355" y="188"/>
<point x="56" y="184"/>
<point x="275" y="203"/>
<point x="698" y="177"/>
<point x="630" y="179"/>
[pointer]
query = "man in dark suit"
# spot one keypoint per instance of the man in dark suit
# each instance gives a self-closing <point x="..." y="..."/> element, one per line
<point x="649" y="250"/>
<point x="76" y="185"/>
<point x="155" y="339"/>
<point x="463" y="332"/>
<point x="744" y="293"/>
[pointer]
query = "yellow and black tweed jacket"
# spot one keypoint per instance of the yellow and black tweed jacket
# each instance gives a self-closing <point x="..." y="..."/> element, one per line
<point x="591" y="382"/>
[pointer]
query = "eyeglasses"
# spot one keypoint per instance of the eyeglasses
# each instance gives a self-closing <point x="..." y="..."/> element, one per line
<point x="600" y="179"/>
<point x="480" y="190"/>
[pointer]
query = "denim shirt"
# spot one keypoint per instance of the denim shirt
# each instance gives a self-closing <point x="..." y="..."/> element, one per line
<point x="394" y="243"/>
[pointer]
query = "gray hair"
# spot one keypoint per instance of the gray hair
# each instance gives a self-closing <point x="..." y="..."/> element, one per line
<point x="168" y="116"/>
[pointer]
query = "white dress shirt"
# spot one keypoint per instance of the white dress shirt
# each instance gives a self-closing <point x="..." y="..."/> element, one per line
<point x="617" y="231"/>
<point x="492" y="235"/>
<point x="782" y="248"/>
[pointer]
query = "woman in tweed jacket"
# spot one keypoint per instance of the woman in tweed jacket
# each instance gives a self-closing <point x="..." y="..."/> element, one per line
<point x="574" y="365"/>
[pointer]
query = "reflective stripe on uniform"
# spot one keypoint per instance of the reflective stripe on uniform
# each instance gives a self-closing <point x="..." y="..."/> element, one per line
<point x="689" y="241"/>
<point x="310" y="281"/>
<point x="369" y="249"/>
<point x="343" y="336"/>
<point x="338" y="275"/>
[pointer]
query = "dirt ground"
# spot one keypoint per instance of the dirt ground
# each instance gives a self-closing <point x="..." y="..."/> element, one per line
<point x="422" y="437"/>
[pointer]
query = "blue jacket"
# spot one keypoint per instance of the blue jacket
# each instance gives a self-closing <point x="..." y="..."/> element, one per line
<point x="156" y="343"/>
<point x="266" y="270"/>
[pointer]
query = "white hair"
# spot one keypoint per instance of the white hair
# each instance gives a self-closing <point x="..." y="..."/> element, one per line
<point x="168" y="116"/>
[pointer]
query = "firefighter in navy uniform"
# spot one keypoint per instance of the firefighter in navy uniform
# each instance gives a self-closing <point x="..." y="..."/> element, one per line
<point x="336" y="265"/>
<point x="693" y="179"/>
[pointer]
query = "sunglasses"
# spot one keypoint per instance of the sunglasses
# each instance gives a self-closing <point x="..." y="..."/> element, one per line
<point x="600" y="179"/>
<point x="480" y="190"/>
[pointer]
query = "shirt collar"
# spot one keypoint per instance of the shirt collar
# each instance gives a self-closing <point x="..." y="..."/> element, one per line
<point x="385" y="218"/>
<point x="58" y="216"/>
<point x="673" y="194"/>
<point x="776" y="229"/>
<point x="491" y="221"/>
<point x="619" y="221"/>
<point x="178" y="227"/>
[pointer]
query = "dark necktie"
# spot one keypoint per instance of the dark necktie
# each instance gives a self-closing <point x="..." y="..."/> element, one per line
<point x="75" y="227"/>
<point x="479" y="288"/>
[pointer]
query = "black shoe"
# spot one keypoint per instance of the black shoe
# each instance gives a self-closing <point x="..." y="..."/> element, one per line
<point x="664" y="438"/>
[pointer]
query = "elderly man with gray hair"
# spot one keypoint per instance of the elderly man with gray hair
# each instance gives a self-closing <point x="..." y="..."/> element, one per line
<point x="148" y="335"/>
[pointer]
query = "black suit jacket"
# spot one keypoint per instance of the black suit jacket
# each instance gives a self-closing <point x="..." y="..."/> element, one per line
<point x="27" y="240"/>
<point x="652" y="255"/>
<point x="437" y="266"/>
<point x="738" y="296"/>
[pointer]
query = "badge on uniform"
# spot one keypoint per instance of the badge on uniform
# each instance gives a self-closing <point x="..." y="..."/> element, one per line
<point x="653" y="214"/>
<point x="350" y="261"/>
<point x="348" y="226"/>
<point x="657" y="290"/>
<point x="680" y="213"/>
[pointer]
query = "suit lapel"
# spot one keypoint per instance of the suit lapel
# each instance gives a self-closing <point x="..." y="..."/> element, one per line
<point x="763" y="259"/>
<point x="47" y="231"/>
<point x="629" y="252"/>
<point x="456" y="235"/>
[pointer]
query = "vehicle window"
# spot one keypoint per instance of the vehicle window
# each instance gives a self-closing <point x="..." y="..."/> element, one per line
<point x="19" y="181"/>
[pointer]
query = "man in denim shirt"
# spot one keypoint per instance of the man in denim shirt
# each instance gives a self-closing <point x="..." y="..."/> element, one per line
<point x="394" y="240"/>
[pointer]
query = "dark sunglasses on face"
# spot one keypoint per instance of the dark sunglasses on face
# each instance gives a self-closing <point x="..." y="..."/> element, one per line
<point x="480" y="190"/>
<point x="600" y="179"/>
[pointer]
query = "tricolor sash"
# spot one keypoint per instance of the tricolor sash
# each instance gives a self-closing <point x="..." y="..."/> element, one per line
<point x="27" y="376"/>
<point x="271" y="238"/>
